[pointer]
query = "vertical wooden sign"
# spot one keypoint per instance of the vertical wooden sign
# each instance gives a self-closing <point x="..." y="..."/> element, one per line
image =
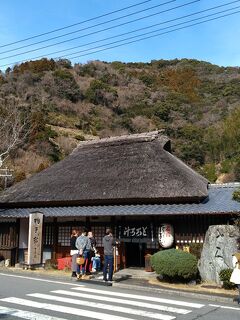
<point x="35" y="238"/>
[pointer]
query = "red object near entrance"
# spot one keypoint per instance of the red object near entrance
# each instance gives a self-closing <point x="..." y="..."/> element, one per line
<point x="64" y="263"/>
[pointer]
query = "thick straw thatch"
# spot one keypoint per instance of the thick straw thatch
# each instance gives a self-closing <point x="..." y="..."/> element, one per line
<point x="127" y="169"/>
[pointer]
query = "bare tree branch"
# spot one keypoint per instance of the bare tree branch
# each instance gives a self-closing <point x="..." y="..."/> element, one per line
<point x="13" y="127"/>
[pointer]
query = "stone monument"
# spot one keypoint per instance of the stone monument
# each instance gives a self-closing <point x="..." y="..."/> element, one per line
<point x="219" y="245"/>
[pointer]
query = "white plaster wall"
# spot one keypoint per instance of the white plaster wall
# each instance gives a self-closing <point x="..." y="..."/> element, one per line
<point x="23" y="236"/>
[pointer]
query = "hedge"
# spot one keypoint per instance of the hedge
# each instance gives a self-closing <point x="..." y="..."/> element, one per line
<point x="175" y="264"/>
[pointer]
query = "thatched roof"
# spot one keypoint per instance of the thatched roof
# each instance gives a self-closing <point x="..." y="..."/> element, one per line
<point x="123" y="170"/>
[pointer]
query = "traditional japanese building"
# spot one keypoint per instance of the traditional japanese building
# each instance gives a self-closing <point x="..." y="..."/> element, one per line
<point x="133" y="184"/>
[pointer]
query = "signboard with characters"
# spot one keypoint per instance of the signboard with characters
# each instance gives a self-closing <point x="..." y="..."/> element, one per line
<point x="166" y="235"/>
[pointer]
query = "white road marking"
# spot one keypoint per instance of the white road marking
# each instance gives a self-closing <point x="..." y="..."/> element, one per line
<point x="145" y="298"/>
<point x="26" y="314"/>
<point x="224" y="307"/>
<point x="75" y="311"/>
<point x="97" y="305"/>
<point x="140" y="304"/>
<point x="39" y="279"/>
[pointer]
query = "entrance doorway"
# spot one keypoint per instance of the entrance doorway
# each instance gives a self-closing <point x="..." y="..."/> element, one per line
<point x="135" y="254"/>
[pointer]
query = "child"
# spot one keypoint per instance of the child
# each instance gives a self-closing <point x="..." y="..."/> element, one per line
<point x="96" y="262"/>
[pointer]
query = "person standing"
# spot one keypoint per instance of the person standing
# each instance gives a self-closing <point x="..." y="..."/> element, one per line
<point x="235" y="276"/>
<point x="83" y="245"/>
<point x="92" y="240"/>
<point x="92" y="250"/>
<point x="108" y="244"/>
<point x="74" y="251"/>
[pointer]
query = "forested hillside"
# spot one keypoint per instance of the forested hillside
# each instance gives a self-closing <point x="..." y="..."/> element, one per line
<point x="195" y="102"/>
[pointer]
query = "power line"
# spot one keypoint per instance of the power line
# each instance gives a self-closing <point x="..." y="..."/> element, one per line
<point x="102" y="30"/>
<point x="136" y="30"/>
<point x="156" y="35"/>
<point x="163" y="22"/>
<point x="175" y="25"/>
<point x="75" y="24"/>
<point x="89" y="27"/>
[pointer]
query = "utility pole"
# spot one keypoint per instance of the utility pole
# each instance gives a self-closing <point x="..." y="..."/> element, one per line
<point x="5" y="173"/>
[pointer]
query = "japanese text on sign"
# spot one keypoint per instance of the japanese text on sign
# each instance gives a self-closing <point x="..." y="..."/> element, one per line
<point x="135" y="232"/>
<point x="35" y="238"/>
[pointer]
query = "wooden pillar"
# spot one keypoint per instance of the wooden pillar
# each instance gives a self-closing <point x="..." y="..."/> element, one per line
<point x="55" y="238"/>
<point x="87" y="223"/>
<point x="121" y="248"/>
<point x="17" y="240"/>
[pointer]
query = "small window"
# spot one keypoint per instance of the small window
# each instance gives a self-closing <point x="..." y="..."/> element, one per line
<point x="64" y="234"/>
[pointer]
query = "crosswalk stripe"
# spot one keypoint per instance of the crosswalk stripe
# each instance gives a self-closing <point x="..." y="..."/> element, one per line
<point x="135" y="303"/>
<point x="26" y="314"/>
<point x="224" y="307"/>
<point x="41" y="280"/>
<point x="97" y="305"/>
<point x="63" y="309"/>
<point x="140" y="297"/>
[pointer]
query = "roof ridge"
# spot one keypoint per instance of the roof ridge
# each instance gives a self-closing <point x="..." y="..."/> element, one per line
<point x="224" y="185"/>
<point x="141" y="137"/>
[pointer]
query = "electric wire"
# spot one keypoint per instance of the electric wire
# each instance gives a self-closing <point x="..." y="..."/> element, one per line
<point x="75" y="24"/>
<point x="105" y="29"/>
<point x="89" y="27"/>
<point x="172" y="26"/>
<point x="159" y="34"/>
<point x="136" y="30"/>
<point x="154" y="31"/>
<point x="156" y="35"/>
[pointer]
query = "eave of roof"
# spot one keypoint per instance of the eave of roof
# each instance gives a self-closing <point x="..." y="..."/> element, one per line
<point x="219" y="202"/>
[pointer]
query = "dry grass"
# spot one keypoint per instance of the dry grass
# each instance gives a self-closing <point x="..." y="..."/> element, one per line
<point x="205" y="287"/>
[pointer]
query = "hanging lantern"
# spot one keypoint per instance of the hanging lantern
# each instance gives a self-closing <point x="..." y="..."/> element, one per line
<point x="166" y="235"/>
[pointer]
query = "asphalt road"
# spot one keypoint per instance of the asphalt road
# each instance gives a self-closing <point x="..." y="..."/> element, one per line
<point x="31" y="297"/>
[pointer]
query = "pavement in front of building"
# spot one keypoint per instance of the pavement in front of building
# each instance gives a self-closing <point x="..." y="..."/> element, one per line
<point x="139" y="279"/>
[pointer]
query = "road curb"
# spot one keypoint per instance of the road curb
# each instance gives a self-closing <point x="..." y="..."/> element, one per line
<point x="175" y="292"/>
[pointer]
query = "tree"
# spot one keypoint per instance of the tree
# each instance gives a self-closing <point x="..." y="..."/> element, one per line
<point x="13" y="127"/>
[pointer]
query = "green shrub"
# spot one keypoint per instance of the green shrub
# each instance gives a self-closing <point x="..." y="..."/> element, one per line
<point x="175" y="264"/>
<point x="80" y="137"/>
<point x="19" y="175"/>
<point x="50" y="264"/>
<point x="225" y="275"/>
<point x="236" y="195"/>
<point x="196" y="249"/>
<point x="209" y="172"/>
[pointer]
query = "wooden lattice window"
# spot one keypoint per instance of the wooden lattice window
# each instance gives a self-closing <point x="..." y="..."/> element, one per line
<point x="99" y="233"/>
<point x="64" y="234"/>
<point x="48" y="235"/>
<point x="8" y="236"/>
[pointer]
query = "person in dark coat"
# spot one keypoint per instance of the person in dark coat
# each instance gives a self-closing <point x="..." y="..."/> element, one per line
<point x="108" y="244"/>
<point x="92" y="251"/>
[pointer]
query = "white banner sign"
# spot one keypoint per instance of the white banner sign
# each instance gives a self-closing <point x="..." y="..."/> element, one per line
<point x="35" y="238"/>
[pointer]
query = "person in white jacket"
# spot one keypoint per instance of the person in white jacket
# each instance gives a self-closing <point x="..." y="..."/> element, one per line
<point x="235" y="276"/>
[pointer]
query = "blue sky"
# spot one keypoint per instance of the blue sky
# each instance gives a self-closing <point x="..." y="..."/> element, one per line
<point x="216" y="41"/>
